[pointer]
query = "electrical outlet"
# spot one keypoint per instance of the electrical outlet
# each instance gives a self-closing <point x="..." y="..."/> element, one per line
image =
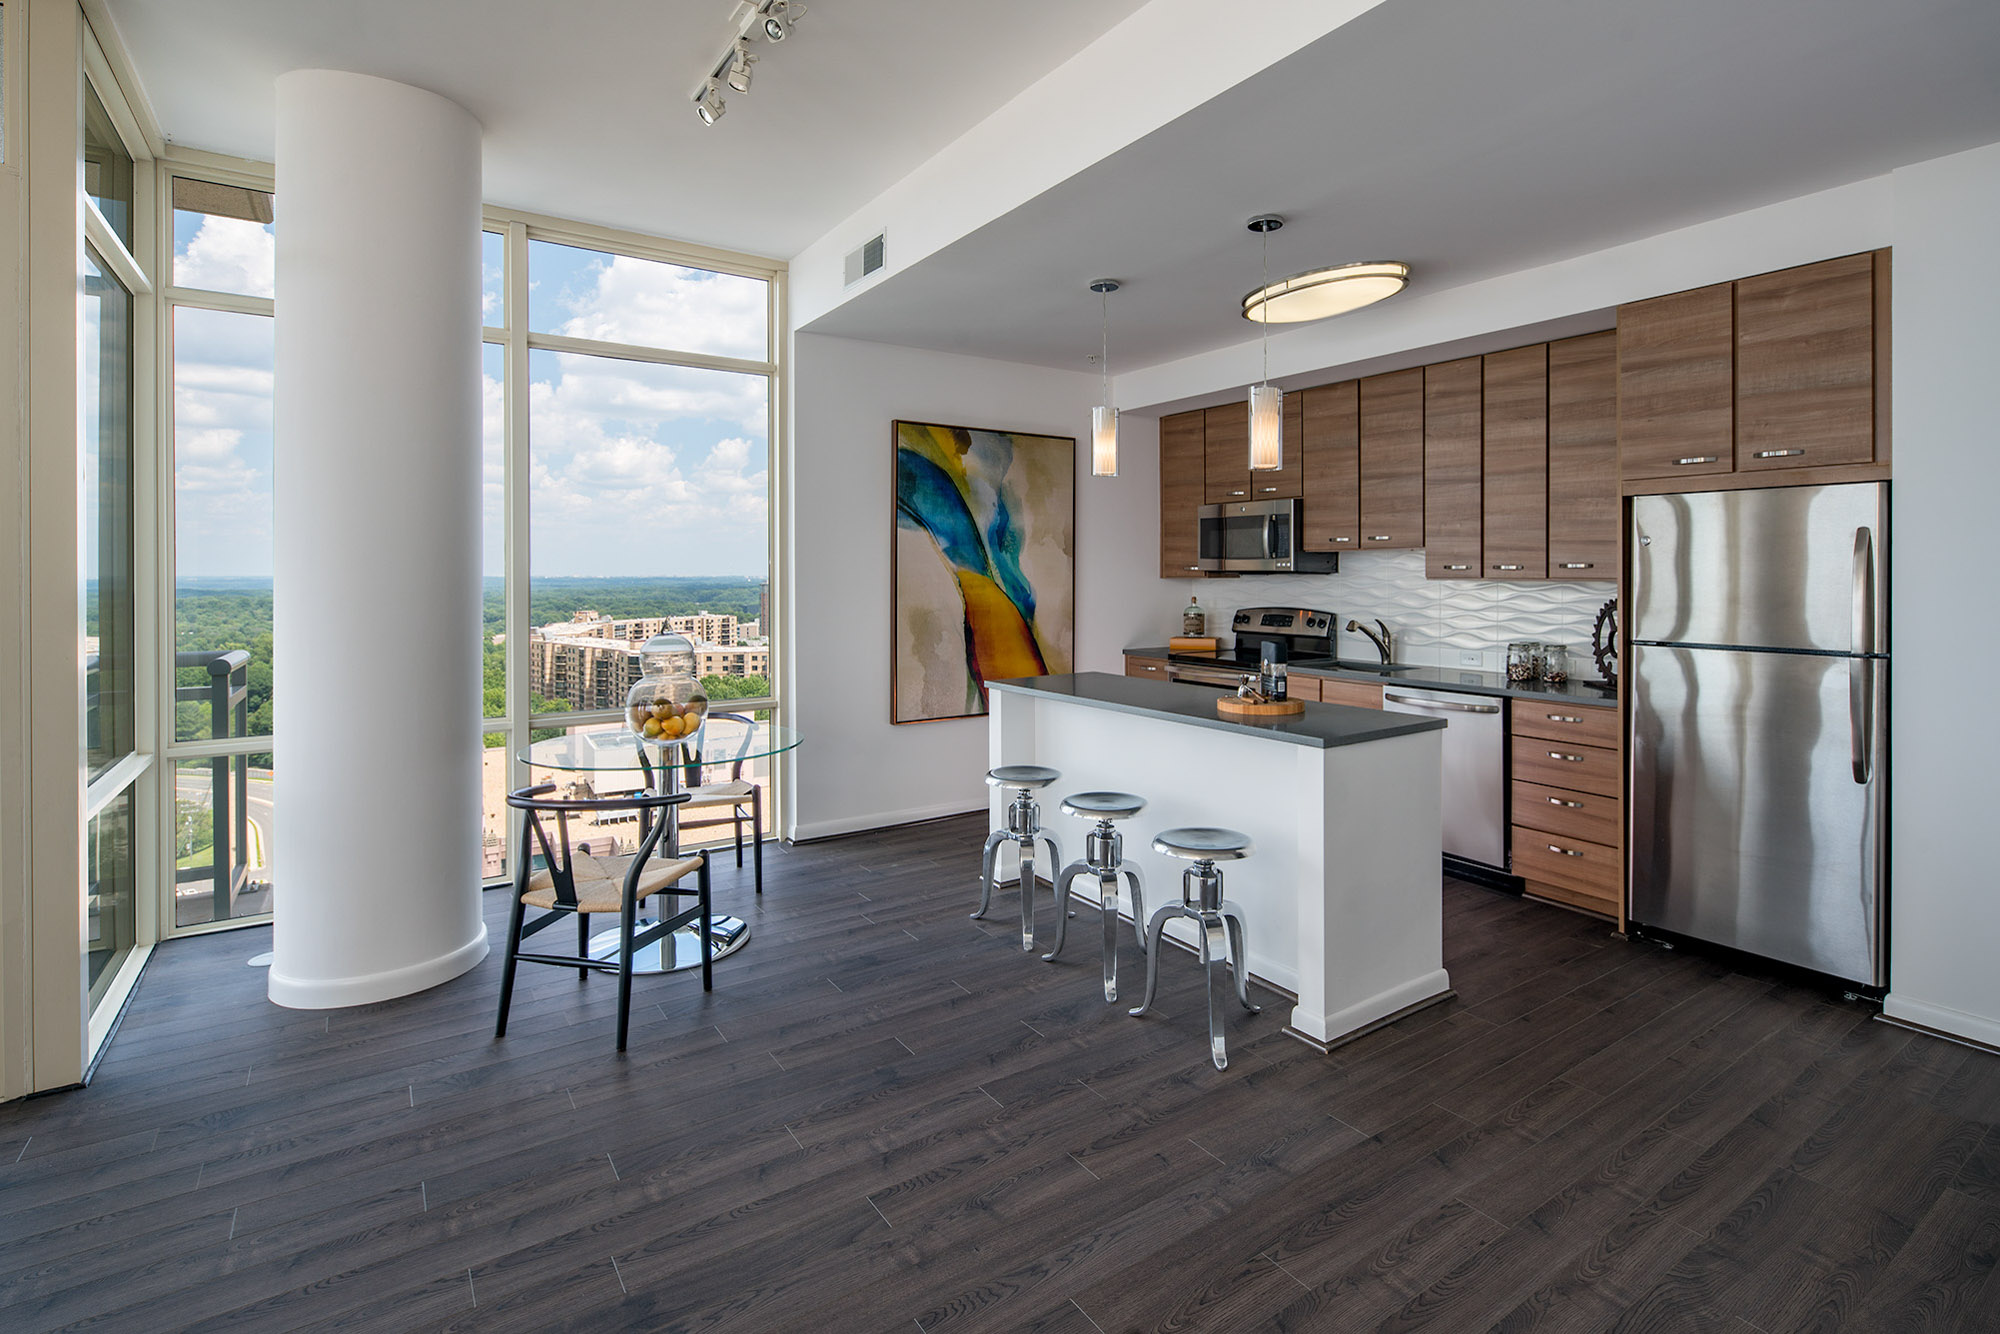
<point x="1469" y="658"/>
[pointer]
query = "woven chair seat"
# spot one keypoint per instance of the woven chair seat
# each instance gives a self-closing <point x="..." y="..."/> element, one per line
<point x="719" y="794"/>
<point x="600" y="881"/>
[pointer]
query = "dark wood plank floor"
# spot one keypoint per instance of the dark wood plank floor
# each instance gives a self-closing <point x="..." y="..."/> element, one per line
<point x="886" y="1115"/>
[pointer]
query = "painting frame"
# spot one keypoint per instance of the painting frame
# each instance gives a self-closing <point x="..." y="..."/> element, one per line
<point x="1024" y="485"/>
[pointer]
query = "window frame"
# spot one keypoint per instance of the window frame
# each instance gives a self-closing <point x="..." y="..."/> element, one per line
<point x="519" y="228"/>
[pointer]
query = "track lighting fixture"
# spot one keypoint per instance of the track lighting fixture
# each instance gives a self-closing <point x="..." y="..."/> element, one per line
<point x="773" y="19"/>
<point x="738" y="77"/>
<point x="708" y="104"/>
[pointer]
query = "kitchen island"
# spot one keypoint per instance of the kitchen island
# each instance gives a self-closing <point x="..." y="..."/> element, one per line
<point x="1342" y="894"/>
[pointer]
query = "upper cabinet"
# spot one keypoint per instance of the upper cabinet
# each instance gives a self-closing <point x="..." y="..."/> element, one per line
<point x="1228" y="453"/>
<point x="1583" y="457"/>
<point x="1516" y="435"/>
<point x="1183" y="438"/>
<point x="1452" y="489"/>
<point x="1676" y="384"/>
<point x="1805" y="365"/>
<point x="1392" y="460"/>
<point x="1331" y="431"/>
<point x="1774" y="374"/>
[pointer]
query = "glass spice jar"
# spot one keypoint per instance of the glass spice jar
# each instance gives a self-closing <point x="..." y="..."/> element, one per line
<point x="1555" y="663"/>
<point x="667" y="704"/>
<point x="1523" y="657"/>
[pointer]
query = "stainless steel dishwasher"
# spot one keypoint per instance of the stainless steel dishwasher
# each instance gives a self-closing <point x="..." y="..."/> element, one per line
<point x="1475" y="768"/>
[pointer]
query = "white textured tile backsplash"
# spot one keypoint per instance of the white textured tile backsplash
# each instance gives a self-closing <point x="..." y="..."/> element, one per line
<point x="1434" y="620"/>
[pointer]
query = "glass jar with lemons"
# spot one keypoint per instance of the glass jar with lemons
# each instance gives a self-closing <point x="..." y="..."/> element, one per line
<point x="667" y="703"/>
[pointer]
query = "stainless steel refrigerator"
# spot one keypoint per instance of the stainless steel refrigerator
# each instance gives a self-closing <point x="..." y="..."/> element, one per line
<point x="1759" y="673"/>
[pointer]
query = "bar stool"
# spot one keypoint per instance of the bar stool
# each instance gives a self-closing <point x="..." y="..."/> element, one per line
<point x="1201" y="899"/>
<point x="1024" y="826"/>
<point x="1103" y="857"/>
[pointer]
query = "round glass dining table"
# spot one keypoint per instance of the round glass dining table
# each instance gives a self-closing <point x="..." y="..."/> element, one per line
<point x="620" y="760"/>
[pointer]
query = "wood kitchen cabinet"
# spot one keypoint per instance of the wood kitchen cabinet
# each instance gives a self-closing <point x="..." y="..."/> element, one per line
<point x="1135" y="665"/>
<point x="1453" y="489"/>
<point x="1805" y="365"/>
<point x="1392" y="460"/>
<point x="1583" y="457"/>
<point x="1515" y="434"/>
<point x="1182" y="445"/>
<point x="1676" y="384"/>
<point x="1568" y="811"/>
<point x="1355" y="694"/>
<point x="1226" y="451"/>
<point x="1330" y="447"/>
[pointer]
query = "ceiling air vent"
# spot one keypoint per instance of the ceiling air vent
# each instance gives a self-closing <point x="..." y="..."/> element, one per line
<point x="868" y="259"/>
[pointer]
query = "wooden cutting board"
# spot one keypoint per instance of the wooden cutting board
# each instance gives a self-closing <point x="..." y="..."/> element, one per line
<point x="1231" y="707"/>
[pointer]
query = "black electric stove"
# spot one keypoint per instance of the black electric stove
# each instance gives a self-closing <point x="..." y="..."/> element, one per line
<point x="1299" y="632"/>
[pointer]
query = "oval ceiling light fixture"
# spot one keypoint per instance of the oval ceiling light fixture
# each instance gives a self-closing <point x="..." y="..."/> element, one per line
<point x="1320" y="293"/>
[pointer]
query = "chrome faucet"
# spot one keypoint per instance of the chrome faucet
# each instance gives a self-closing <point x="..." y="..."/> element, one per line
<point x="1383" y="642"/>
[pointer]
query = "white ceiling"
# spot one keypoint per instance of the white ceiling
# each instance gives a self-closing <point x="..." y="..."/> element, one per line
<point x="1466" y="137"/>
<point x="585" y="103"/>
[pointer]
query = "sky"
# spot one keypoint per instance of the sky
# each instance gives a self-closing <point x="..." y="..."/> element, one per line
<point x="635" y="468"/>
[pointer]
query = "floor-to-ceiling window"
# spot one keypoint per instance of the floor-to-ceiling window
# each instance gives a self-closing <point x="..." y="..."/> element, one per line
<point x="217" y="589"/>
<point x="117" y="753"/>
<point x="630" y="389"/>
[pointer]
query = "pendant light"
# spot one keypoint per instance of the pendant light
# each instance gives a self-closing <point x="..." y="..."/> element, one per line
<point x="1267" y="410"/>
<point x="1104" y="417"/>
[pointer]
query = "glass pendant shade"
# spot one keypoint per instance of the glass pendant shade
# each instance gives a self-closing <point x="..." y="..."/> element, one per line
<point x="1267" y="428"/>
<point x="1104" y="441"/>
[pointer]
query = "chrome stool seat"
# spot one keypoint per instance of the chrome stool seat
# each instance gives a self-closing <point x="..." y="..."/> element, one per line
<point x="1219" y="929"/>
<point x="1103" y="857"/>
<point x="1024" y="828"/>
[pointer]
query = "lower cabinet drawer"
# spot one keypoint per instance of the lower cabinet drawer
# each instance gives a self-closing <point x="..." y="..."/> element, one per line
<point x="1568" y="765"/>
<point x="1358" y="694"/>
<point x="1302" y="687"/>
<point x="1569" y="814"/>
<point x="1154" y="667"/>
<point x="1570" y="863"/>
<point x="1562" y="721"/>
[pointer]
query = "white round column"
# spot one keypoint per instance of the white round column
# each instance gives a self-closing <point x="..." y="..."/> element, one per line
<point x="376" y="482"/>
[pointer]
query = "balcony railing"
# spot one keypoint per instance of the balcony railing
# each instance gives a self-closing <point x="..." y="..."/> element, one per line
<point x="227" y="694"/>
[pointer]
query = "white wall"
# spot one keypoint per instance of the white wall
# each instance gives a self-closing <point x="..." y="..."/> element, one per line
<point x="1945" y="922"/>
<point x="856" y="770"/>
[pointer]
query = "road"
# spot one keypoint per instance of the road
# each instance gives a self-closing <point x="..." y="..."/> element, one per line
<point x="192" y="785"/>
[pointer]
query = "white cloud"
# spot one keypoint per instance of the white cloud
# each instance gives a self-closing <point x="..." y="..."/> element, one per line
<point x="229" y="255"/>
<point x="208" y="445"/>
<point x="651" y="304"/>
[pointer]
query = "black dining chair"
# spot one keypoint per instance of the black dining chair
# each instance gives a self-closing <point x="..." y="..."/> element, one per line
<point x="743" y="798"/>
<point x="576" y="883"/>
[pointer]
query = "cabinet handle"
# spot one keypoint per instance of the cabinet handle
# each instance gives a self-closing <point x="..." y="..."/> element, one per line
<point x="1562" y="718"/>
<point x="1239" y="493"/>
<point x="1458" y="567"/>
<point x="1705" y="458"/>
<point x="1776" y="453"/>
<point x="1553" y="801"/>
<point x="1577" y="565"/>
<point x="1343" y="539"/>
<point x="1564" y="851"/>
<point x="1383" y="538"/>
<point x="1195" y="568"/>
<point x="1571" y="759"/>
<point x="1510" y="567"/>
<point x="1270" y="488"/>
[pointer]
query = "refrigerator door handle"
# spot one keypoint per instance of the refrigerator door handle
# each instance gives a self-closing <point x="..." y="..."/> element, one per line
<point x="1864" y="591"/>
<point x="1861" y="717"/>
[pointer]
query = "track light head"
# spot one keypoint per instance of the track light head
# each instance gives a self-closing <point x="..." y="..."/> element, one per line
<point x="709" y="104"/>
<point x="779" y="16"/>
<point x="739" y="74"/>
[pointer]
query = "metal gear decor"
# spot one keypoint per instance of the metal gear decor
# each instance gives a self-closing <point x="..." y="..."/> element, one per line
<point x="1604" y="641"/>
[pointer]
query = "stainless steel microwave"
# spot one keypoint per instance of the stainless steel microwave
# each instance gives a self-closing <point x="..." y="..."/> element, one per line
<point x="1258" y="537"/>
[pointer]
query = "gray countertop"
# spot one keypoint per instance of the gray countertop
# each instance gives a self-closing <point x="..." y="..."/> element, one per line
<point x="1321" y="726"/>
<point x="1593" y="694"/>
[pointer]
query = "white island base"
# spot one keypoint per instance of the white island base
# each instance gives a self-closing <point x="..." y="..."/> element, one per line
<point x="1343" y="892"/>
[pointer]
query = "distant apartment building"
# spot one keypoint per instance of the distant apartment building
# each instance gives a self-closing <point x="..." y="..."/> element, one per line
<point x="592" y="660"/>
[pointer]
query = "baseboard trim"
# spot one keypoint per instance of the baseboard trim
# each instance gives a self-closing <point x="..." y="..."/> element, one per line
<point x="337" y="993"/>
<point x="1943" y="1022"/>
<point x="819" y="830"/>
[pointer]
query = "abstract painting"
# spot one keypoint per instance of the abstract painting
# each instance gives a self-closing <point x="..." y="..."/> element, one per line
<point x="984" y="567"/>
